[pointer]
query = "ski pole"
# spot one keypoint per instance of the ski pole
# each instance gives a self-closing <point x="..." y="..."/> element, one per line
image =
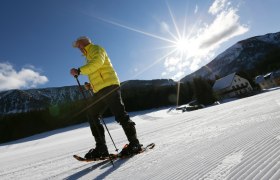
<point x="81" y="89"/>
<point x="86" y="84"/>
<point x="109" y="134"/>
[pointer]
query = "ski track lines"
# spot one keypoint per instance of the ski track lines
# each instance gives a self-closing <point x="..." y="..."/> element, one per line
<point x="223" y="169"/>
<point x="53" y="167"/>
<point x="253" y="148"/>
<point x="179" y="170"/>
<point x="212" y="143"/>
<point x="227" y="160"/>
<point x="37" y="170"/>
<point x="263" y="156"/>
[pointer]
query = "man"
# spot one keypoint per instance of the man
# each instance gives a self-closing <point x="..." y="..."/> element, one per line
<point x="106" y="87"/>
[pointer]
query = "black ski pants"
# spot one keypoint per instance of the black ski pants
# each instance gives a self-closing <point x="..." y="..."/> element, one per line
<point x="110" y="97"/>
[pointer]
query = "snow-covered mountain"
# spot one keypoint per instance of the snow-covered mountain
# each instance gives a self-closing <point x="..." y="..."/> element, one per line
<point x="234" y="140"/>
<point x="244" y="55"/>
<point x="16" y="101"/>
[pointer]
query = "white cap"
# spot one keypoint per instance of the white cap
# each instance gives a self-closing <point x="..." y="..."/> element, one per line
<point x="75" y="44"/>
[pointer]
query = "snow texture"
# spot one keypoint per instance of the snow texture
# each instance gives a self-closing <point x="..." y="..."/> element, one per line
<point x="234" y="140"/>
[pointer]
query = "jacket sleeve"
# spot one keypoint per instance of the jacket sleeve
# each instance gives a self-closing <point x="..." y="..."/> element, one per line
<point x="95" y="59"/>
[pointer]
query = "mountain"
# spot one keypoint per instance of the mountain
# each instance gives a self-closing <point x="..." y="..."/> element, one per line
<point x="242" y="56"/>
<point x="147" y="83"/>
<point x="17" y="101"/>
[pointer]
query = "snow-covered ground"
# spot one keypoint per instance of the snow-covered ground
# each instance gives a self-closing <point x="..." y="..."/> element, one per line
<point x="234" y="140"/>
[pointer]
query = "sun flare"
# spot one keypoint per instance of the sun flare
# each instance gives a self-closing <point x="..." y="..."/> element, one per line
<point x="182" y="45"/>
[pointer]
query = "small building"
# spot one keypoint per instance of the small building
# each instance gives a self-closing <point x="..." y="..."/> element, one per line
<point x="232" y="85"/>
<point x="269" y="80"/>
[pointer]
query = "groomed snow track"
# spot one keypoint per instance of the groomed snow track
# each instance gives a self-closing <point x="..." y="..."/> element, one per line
<point x="235" y="140"/>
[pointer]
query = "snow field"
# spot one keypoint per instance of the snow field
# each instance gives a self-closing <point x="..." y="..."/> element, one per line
<point x="235" y="140"/>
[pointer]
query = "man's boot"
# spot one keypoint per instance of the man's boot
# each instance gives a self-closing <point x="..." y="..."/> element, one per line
<point x="134" y="147"/>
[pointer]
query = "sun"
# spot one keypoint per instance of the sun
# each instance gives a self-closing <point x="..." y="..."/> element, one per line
<point x="182" y="45"/>
<point x="179" y="41"/>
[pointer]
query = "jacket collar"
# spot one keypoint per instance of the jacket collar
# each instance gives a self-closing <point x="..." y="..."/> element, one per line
<point x="87" y="48"/>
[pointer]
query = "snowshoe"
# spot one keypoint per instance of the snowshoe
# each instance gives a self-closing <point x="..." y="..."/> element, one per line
<point x="131" y="149"/>
<point x="97" y="153"/>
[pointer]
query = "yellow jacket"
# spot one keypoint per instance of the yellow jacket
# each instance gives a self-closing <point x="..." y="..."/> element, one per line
<point x="98" y="68"/>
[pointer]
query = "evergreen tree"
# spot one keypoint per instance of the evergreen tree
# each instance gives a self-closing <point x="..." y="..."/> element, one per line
<point x="203" y="92"/>
<point x="270" y="62"/>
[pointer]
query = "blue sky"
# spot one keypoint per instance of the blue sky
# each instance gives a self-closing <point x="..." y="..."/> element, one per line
<point x="144" y="39"/>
